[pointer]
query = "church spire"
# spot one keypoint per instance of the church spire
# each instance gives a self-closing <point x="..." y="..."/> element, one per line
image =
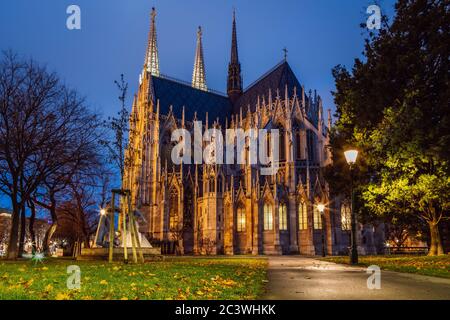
<point x="234" y="50"/>
<point x="151" y="63"/>
<point x="234" y="83"/>
<point x="198" y="76"/>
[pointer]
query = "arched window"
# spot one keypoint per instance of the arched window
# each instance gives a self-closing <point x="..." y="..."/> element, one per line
<point x="282" y="217"/>
<point x="311" y="141"/>
<point x="346" y="216"/>
<point x="302" y="216"/>
<point x="317" y="218"/>
<point x="240" y="220"/>
<point x="268" y="217"/>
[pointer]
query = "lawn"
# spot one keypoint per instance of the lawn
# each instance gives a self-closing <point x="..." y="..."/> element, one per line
<point x="177" y="278"/>
<point x="431" y="266"/>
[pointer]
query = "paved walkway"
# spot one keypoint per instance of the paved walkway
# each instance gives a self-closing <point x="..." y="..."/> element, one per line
<point x="303" y="278"/>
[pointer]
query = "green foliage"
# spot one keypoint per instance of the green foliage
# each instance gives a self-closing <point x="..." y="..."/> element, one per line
<point x="177" y="278"/>
<point x="429" y="266"/>
<point x="394" y="108"/>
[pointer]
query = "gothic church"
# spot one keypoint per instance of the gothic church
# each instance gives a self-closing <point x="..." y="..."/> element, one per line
<point x="232" y="208"/>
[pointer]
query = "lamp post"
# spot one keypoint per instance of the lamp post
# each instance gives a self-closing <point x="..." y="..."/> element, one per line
<point x="350" y="157"/>
<point x="321" y="208"/>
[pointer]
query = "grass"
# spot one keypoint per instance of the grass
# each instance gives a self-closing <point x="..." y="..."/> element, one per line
<point x="180" y="278"/>
<point x="438" y="266"/>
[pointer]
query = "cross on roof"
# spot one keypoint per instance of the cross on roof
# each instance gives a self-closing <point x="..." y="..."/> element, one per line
<point x="285" y="50"/>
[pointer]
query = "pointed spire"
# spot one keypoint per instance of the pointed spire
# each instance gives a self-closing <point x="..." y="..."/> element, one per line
<point x="151" y="63"/>
<point x="234" y="83"/>
<point x="198" y="76"/>
<point x="234" y="49"/>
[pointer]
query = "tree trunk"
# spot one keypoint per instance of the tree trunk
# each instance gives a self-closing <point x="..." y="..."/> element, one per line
<point x="52" y="229"/>
<point x="435" y="240"/>
<point x="14" y="234"/>
<point x="23" y="229"/>
<point x="31" y="225"/>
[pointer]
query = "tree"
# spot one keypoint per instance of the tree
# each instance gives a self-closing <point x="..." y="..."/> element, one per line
<point x="46" y="131"/>
<point x="394" y="108"/>
<point x="77" y="216"/>
<point x="119" y="129"/>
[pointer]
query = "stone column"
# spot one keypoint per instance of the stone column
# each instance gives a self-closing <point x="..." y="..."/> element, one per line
<point x="276" y="238"/>
<point x="293" y="243"/>
<point x="248" y="225"/>
<point x="329" y="238"/>
<point x="255" y="244"/>
<point x="228" y="230"/>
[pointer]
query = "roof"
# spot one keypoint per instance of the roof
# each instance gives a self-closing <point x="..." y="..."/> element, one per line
<point x="177" y="94"/>
<point x="275" y="79"/>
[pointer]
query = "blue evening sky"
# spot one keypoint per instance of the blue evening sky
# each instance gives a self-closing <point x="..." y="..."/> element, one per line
<point x="318" y="34"/>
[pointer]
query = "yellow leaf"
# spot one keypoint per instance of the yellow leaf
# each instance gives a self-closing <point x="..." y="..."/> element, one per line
<point x="199" y="293"/>
<point x="229" y="282"/>
<point x="28" y="283"/>
<point x="48" y="288"/>
<point x="104" y="282"/>
<point x="62" y="296"/>
<point x="44" y="268"/>
<point x="124" y="298"/>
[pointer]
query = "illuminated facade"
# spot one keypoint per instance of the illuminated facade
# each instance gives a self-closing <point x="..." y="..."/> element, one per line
<point x="231" y="208"/>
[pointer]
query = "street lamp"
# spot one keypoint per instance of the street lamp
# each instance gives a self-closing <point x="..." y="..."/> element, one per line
<point x="321" y="208"/>
<point x="102" y="212"/>
<point x="350" y="156"/>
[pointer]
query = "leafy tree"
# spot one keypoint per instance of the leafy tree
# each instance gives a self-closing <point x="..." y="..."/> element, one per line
<point x="393" y="107"/>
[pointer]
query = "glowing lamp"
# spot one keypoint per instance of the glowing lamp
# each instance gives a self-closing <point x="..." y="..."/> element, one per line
<point x="321" y="207"/>
<point x="351" y="156"/>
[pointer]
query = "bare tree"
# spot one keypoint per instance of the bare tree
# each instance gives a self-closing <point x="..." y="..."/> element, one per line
<point x="119" y="128"/>
<point x="46" y="133"/>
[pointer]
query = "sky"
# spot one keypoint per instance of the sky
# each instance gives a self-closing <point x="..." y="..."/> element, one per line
<point x="318" y="34"/>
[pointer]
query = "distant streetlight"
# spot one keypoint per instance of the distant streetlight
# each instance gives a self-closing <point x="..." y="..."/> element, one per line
<point x="321" y="208"/>
<point x="351" y="156"/>
<point x="102" y="212"/>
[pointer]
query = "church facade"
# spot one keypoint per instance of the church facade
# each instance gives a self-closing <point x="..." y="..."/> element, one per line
<point x="232" y="208"/>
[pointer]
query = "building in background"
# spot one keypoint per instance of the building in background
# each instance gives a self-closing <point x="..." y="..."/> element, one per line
<point x="40" y="227"/>
<point x="232" y="208"/>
